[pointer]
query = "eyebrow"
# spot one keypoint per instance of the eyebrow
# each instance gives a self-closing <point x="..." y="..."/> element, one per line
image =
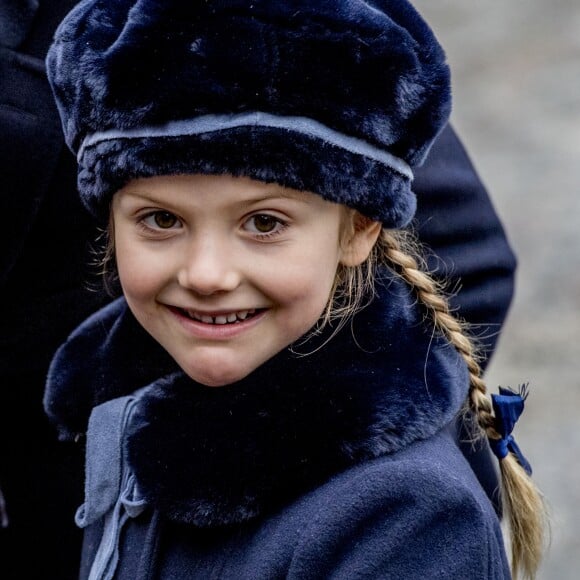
<point x="142" y="196"/>
<point x="277" y="192"/>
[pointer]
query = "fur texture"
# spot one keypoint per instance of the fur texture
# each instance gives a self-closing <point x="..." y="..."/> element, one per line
<point x="369" y="71"/>
<point x="214" y="456"/>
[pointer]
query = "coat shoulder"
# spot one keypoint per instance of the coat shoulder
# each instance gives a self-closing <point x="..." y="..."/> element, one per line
<point x="420" y="513"/>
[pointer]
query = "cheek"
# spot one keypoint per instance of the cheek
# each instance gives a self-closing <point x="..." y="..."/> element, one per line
<point x="140" y="273"/>
<point x="306" y="288"/>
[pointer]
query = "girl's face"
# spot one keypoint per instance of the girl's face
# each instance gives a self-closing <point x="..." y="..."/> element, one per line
<point x="225" y="272"/>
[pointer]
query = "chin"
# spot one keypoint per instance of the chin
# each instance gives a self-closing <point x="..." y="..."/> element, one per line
<point x="217" y="367"/>
<point x="222" y="378"/>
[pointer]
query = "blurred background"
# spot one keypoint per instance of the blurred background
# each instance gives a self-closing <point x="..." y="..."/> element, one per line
<point x="516" y="84"/>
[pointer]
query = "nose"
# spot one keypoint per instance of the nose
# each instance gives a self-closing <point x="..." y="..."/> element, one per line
<point x="209" y="266"/>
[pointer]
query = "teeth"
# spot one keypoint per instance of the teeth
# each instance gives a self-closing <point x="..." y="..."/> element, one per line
<point x="231" y="318"/>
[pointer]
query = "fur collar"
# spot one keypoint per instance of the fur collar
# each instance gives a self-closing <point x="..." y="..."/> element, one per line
<point x="213" y="456"/>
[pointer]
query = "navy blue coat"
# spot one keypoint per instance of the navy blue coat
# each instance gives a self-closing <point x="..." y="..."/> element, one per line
<point x="342" y="464"/>
<point x="417" y="515"/>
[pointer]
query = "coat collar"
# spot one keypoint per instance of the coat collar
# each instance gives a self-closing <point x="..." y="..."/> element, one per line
<point x="212" y="456"/>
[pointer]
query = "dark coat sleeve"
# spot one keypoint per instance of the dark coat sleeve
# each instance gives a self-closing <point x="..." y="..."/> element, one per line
<point x="30" y="127"/>
<point x="466" y="240"/>
<point x="29" y="148"/>
<point x="467" y="244"/>
<point x="47" y="236"/>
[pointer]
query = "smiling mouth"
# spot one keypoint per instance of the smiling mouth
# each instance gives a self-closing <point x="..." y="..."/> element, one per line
<point x="221" y="319"/>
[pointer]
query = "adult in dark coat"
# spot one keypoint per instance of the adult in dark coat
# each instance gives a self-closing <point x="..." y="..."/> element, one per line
<point x="44" y="292"/>
<point x="44" y="296"/>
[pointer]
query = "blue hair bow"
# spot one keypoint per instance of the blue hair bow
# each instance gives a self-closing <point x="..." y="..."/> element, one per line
<point x="508" y="406"/>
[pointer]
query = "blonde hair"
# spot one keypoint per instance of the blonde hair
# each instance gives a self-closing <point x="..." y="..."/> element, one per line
<point x="522" y="502"/>
<point x="105" y="261"/>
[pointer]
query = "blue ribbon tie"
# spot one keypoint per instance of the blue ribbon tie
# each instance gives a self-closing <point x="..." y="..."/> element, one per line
<point x="508" y="406"/>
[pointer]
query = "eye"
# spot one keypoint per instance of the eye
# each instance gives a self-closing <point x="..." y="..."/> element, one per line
<point x="263" y="223"/>
<point x="163" y="220"/>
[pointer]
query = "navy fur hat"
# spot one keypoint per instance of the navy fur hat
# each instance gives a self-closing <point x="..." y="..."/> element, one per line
<point x="338" y="97"/>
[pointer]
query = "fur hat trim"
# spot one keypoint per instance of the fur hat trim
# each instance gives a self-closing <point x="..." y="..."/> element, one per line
<point x="213" y="123"/>
<point x="295" y="152"/>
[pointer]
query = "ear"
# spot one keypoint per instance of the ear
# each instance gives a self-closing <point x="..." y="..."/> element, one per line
<point x="360" y="235"/>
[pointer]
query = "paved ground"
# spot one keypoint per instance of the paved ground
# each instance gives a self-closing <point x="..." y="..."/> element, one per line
<point x="516" y="67"/>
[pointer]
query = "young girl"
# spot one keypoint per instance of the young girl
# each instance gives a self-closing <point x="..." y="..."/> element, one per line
<point x="275" y="393"/>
